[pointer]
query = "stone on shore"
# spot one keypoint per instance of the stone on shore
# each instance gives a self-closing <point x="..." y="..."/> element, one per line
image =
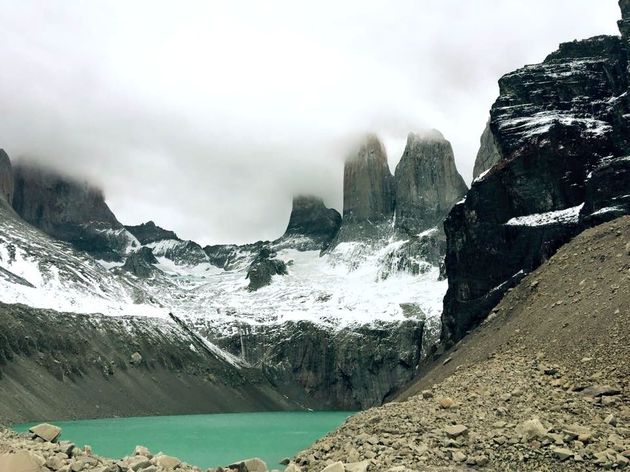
<point x="336" y="467"/>
<point x="47" y="432"/>
<point x="166" y="462"/>
<point x="249" y="465"/>
<point x="22" y="461"/>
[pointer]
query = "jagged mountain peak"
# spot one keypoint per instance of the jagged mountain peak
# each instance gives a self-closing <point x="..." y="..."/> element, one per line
<point x="423" y="136"/>
<point x="312" y="219"/>
<point x="69" y="209"/>
<point x="427" y="182"/>
<point x="368" y="184"/>
<point x="562" y="128"/>
<point x="149" y="232"/>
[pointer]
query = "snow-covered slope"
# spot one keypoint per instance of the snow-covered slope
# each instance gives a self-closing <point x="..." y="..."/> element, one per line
<point x="41" y="272"/>
<point x="342" y="288"/>
<point x="355" y="284"/>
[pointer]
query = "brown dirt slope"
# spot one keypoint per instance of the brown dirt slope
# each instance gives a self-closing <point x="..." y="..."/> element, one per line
<point x="542" y="385"/>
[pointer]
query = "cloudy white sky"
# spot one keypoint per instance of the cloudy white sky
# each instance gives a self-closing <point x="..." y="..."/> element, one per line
<point x="206" y="116"/>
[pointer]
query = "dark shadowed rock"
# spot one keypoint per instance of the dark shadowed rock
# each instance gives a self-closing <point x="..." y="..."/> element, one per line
<point x="69" y="210"/>
<point x="488" y="154"/>
<point x="232" y="256"/>
<point x="427" y="183"/>
<point x="263" y="268"/>
<point x="310" y="218"/>
<point x="329" y="366"/>
<point x="221" y="255"/>
<point x="607" y="192"/>
<point x="6" y="178"/>
<point x="553" y="123"/>
<point x="140" y="263"/>
<point x="149" y="233"/>
<point x="624" y="23"/>
<point x="180" y="252"/>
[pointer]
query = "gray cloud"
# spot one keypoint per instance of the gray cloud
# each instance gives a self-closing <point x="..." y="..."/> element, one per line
<point x="208" y="116"/>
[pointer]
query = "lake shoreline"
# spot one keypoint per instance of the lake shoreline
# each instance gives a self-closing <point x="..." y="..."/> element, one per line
<point x="209" y="441"/>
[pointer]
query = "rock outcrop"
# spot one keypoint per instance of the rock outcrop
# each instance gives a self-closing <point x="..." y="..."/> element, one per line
<point x="140" y="263"/>
<point x="554" y="123"/>
<point x="263" y="268"/>
<point x="368" y="192"/>
<point x="6" y="178"/>
<point x="149" y="232"/>
<point x="488" y="154"/>
<point x="427" y="183"/>
<point x="311" y="219"/>
<point x="69" y="210"/>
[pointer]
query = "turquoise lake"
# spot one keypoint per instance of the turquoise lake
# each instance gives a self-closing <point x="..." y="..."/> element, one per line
<point x="205" y="440"/>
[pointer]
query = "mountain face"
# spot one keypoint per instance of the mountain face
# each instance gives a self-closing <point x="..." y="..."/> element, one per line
<point x="562" y="129"/>
<point x="310" y="218"/>
<point x="69" y="210"/>
<point x="427" y="183"/>
<point x="149" y="232"/>
<point x="488" y="154"/>
<point x="6" y="178"/>
<point x="368" y="192"/>
<point x="314" y="327"/>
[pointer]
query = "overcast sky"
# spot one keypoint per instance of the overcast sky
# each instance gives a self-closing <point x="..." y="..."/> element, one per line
<point x="206" y="116"/>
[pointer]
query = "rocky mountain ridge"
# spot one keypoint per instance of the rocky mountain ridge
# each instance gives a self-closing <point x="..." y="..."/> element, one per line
<point x="562" y="130"/>
<point x="294" y="308"/>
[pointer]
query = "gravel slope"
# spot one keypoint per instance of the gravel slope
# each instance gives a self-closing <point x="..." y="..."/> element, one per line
<point x="542" y="385"/>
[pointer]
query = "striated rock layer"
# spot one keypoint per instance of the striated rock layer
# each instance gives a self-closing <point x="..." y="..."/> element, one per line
<point x="562" y="128"/>
<point x="352" y="368"/>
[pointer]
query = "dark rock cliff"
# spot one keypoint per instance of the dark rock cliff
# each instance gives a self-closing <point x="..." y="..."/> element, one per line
<point x="6" y="178"/>
<point x="350" y="368"/>
<point x="427" y="183"/>
<point x="149" y="232"/>
<point x="68" y="210"/>
<point x="263" y="268"/>
<point x="310" y="218"/>
<point x="554" y="123"/>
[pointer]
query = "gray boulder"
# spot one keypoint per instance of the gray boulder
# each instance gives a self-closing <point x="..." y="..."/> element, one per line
<point x="47" y="432"/>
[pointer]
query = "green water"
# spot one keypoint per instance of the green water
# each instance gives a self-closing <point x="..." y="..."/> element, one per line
<point x="205" y="440"/>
